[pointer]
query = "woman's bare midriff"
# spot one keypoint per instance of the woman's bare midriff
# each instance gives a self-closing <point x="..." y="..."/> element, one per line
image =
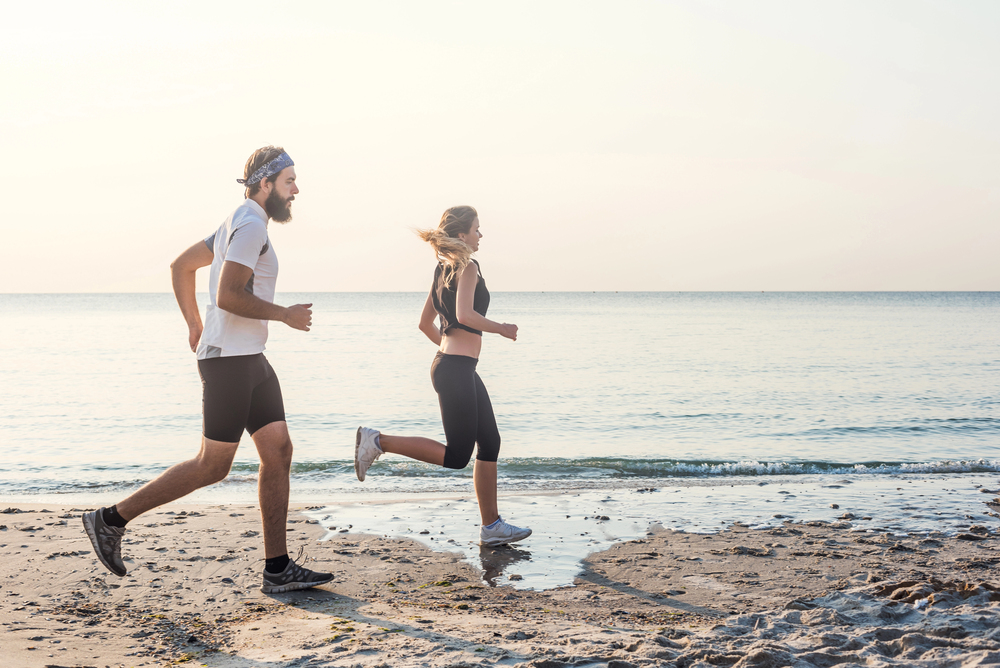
<point x="461" y="342"/>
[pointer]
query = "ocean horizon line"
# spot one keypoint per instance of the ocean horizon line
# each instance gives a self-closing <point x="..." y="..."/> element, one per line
<point x="534" y="292"/>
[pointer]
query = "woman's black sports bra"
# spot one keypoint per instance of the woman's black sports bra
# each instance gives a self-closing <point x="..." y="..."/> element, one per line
<point x="444" y="300"/>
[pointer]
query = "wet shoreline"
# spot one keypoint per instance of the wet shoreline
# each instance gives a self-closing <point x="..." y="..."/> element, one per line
<point x="809" y="592"/>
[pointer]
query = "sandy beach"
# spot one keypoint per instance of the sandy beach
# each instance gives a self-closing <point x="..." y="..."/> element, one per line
<point x="803" y="594"/>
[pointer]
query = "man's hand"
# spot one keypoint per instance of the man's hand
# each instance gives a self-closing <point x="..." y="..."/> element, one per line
<point x="182" y="271"/>
<point x="299" y="316"/>
<point x="194" y="335"/>
<point x="234" y="297"/>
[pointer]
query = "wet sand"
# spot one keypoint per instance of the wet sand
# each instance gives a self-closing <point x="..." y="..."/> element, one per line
<point x="802" y="594"/>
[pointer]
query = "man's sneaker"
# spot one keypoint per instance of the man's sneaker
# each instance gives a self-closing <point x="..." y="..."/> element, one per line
<point x="501" y="533"/>
<point x="294" y="577"/>
<point x="366" y="450"/>
<point x="107" y="541"/>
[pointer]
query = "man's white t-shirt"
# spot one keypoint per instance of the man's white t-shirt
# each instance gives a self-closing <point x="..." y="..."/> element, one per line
<point x="243" y="239"/>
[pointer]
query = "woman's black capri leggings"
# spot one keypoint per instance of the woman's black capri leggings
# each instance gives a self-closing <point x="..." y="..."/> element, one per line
<point x="466" y="411"/>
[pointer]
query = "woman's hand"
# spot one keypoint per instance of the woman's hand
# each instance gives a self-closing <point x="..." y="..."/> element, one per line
<point x="508" y="331"/>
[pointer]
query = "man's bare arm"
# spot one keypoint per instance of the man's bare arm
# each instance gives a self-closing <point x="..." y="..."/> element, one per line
<point x="182" y="274"/>
<point x="233" y="297"/>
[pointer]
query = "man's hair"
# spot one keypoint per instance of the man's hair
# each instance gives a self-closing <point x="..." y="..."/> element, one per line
<point x="260" y="157"/>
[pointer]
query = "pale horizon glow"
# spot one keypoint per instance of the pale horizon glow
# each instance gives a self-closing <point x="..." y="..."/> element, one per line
<point x="630" y="146"/>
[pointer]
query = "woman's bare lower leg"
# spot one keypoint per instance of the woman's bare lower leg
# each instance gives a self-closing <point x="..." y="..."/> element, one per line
<point x="485" y="477"/>
<point x="415" y="447"/>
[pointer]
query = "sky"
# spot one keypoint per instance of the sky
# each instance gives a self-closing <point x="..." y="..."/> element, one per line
<point x="619" y="145"/>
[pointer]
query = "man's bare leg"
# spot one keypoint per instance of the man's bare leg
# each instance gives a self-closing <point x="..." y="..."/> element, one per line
<point x="210" y="466"/>
<point x="275" y="449"/>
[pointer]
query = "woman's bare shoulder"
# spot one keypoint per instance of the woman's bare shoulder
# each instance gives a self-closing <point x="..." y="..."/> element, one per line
<point x="471" y="269"/>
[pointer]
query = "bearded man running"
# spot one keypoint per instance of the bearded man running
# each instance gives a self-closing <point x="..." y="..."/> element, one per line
<point x="240" y="389"/>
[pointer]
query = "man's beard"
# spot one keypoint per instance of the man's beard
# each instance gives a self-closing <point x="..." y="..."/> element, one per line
<point x="278" y="209"/>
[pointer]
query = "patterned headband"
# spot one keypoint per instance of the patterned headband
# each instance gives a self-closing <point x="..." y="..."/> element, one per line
<point x="268" y="169"/>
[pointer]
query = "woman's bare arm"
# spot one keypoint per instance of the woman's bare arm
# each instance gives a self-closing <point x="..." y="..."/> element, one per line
<point x="428" y="324"/>
<point x="467" y="315"/>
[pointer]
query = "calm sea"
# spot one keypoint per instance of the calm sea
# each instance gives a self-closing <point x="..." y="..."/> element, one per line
<point x="602" y="392"/>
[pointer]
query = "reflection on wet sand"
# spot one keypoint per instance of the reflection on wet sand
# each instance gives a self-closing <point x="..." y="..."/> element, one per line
<point x="569" y="527"/>
<point x="495" y="559"/>
<point x="550" y="557"/>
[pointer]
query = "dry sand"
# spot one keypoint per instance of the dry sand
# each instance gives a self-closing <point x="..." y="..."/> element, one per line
<point x="798" y="595"/>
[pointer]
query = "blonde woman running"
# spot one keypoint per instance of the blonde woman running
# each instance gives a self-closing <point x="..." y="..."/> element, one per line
<point x="459" y="296"/>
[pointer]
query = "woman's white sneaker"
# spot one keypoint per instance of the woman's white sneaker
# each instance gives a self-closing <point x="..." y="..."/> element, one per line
<point x="501" y="533"/>
<point x="366" y="450"/>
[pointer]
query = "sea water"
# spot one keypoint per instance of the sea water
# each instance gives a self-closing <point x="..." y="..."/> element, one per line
<point x="682" y="410"/>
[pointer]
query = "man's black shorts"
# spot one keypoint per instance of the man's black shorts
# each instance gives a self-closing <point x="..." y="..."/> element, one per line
<point x="238" y="393"/>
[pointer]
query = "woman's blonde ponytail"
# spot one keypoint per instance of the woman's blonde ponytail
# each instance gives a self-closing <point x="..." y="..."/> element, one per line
<point x="451" y="251"/>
